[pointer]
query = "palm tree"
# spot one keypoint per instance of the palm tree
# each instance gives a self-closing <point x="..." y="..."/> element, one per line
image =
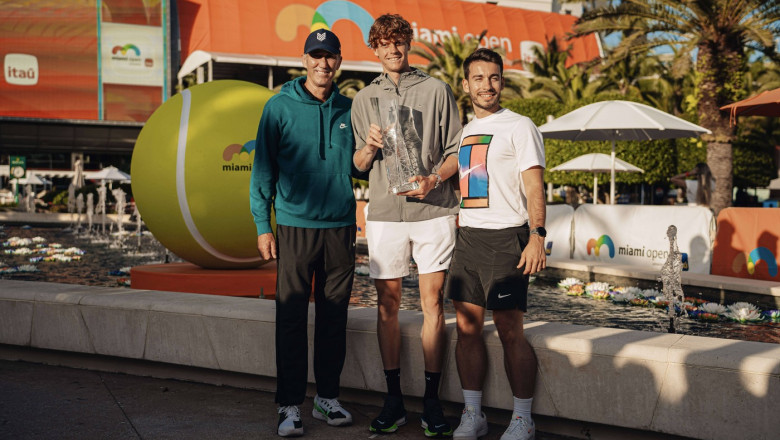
<point x="762" y="75"/>
<point x="554" y="80"/>
<point x="719" y="31"/>
<point x="347" y="86"/>
<point x="445" y="62"/>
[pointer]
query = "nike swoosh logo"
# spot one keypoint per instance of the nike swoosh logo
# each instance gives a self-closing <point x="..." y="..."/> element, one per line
<point x="468" y="171"/>
<point x="440" y="426"/>
<point x="500" y="296"/>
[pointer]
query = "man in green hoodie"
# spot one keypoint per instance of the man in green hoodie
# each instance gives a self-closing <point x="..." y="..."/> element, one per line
<point x="302" y="167"/>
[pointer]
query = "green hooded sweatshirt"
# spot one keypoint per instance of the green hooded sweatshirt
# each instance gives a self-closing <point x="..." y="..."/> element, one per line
<point x="303" y="161"/>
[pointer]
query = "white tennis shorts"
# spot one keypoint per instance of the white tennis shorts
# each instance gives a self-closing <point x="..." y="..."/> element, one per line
<point x="391" y="244"/>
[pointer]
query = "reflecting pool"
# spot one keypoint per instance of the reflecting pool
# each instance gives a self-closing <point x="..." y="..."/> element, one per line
<point x="103" y="261"/>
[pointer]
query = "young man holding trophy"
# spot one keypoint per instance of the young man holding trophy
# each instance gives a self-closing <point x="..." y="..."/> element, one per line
<point x="407" y="127"/>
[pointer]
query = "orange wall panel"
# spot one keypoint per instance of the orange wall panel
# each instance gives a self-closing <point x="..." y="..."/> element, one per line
<point x="747" y="244"/>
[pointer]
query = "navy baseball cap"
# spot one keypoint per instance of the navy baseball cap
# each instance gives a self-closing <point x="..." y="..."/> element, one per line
<point x="322" y="39"/>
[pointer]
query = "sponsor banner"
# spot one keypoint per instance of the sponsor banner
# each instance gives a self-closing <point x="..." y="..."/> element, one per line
<point x="635" y="235"/>
<point x="49" y="55"/>
<point x="275" y="28"/>
<point x="132" y="54"/>
<point x="85" y="59"/>
<point x="558" y="225"/>
<point x="747" y="244"/>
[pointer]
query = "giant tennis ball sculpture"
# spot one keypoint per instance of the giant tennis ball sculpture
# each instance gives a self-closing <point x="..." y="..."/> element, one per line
<point x="191" y="167"/>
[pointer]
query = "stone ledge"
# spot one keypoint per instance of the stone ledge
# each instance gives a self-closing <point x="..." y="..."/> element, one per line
<point x="674" y="384"/>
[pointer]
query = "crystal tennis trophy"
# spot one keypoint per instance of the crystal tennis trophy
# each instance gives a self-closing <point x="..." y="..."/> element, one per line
<point x="400" y="163"/>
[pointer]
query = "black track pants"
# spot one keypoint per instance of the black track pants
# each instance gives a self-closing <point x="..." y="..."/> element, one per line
<point x="328" y="257"/>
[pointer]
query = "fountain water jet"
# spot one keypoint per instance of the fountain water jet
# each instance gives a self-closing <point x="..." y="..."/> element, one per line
<point x="138" y="224"/>
<point x="79" y="210"/>
<point x="29" y="198"/>
<point x="90" y="212"/>
<point x="101" y="206"/>
<point x="119" y="196"/>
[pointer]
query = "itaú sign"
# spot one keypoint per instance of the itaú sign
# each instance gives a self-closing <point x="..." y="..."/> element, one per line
<point x="20" y="69"/>
<point x="279" y="29"/>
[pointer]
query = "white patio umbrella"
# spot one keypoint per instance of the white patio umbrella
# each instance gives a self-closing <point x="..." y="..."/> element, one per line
<point x="32" y="179"/>
<point x="109" y="173"/>
<point x="597" y="163"/>
<point x="619" y="121"/>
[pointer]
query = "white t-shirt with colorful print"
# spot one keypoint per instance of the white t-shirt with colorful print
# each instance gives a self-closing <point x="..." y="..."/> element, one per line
<point x="493" y="151"/>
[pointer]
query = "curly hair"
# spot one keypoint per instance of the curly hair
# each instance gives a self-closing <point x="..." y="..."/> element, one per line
<point x="389" y="26"/>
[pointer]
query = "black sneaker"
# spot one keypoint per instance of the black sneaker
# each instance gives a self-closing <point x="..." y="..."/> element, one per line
<point x="433" y="420"/>
<point x="392" y="416"/>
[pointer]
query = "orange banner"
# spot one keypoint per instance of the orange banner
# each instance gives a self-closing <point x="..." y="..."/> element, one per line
<point x="265" y="27"/>
<point x="83" y="59"/>
<point x="747" y="244"/>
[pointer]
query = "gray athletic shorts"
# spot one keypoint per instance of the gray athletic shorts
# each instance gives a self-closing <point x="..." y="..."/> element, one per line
<point x="483" y="270"/>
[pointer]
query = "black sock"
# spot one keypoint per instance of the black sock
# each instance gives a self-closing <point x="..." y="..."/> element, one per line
<point x="432" y="385"/>
<point x="393" y="379"/>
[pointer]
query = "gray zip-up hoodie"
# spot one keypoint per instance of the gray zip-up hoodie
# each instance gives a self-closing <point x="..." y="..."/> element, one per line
<point x="431" y="124"/>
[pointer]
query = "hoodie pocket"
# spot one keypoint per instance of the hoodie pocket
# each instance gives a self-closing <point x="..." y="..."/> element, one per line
<point x="321" y="196"/>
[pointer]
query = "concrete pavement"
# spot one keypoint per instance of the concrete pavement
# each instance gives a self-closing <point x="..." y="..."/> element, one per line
<point x="39" y="401"/>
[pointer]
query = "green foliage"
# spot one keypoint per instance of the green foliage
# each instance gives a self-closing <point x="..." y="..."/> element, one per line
<point x="535" y="108"/>
<point x="445" y="62"/>
<point x="753" y="151"/>
<point x="753" y="164"/>
<point x="57" y="198"/>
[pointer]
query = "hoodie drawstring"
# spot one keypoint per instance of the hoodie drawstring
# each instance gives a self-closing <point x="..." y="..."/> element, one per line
<point x="328" y="128"/>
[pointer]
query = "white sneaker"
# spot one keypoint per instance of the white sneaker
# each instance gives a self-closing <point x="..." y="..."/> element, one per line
<point x="520" y="429"/>
<point x="290" y="424"/>
<point x="472" y="426"/>
<point x="330" y="410"/>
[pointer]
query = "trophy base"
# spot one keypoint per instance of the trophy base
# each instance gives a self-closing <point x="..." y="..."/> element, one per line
<point x="408" y="186"/>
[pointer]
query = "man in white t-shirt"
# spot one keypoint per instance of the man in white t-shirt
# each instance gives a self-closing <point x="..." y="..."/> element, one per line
<point x="500" y="244"/>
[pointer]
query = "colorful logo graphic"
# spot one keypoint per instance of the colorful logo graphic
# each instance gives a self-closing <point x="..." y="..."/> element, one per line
<point x="751" y="260"/>
<point x="238" y="153"/>
<point x="595" y="245"/>
<point x="473" y="172"/>
<point x="324" y="17"/>
<point x="548" y="249"/>
<point x="123" y="49"/>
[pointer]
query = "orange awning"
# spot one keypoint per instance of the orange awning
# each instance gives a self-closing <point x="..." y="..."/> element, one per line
<point x="766" y="103"/>
<point x="279" y="29"/>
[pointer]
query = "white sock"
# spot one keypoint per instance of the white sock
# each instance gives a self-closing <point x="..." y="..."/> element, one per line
<point x="473" y="399"/>
<point x="522" y="407"/>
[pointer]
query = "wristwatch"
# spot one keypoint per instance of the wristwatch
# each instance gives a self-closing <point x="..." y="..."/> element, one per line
<point x="540" y="231"/>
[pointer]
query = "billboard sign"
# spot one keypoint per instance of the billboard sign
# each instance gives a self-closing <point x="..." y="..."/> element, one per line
<point x="279" y="29"/>
<point x="98" y="60"/>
